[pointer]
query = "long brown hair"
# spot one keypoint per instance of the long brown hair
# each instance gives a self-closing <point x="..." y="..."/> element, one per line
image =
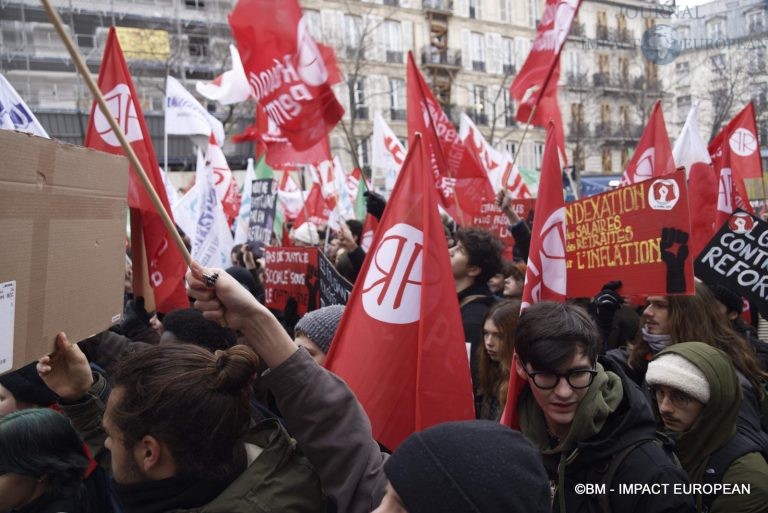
<point x="195" y="401"/>
<point x="493" y="377"/>
<point x="697" y="318"/>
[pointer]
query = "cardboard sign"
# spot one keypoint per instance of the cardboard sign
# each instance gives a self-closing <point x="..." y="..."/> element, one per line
<point x="334" y="288"/>
<point x="637" y="234"/>
<point x="262" y="219"/>
<point x="291" y="272"/>
<point x="737" y="258"/>
<point x="62" y="265"/>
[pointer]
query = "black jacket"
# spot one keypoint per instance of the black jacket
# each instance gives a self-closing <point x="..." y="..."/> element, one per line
<point x="472" y="314"/>
<point x="647" y="464"/>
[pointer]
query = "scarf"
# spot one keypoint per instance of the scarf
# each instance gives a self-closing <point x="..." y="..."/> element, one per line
<point x="656" y="342"/>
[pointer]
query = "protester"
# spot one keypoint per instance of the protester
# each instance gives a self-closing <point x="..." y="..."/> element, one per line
<point x="190" y="326"/>
<point x="586" y="417"/>
<point x="42" y="466"/>
<point x="177" y="424"/>
<point x="305" y="235"/>
<point x="618" y="322"/>
<point x="23" y="389"/>
<point x="494" y="359"/>
<point x="350" y="258"/>
<point x="514" y="281"/>
<point x="496" y="283"/>
<point x="316" y="329"/>
<point x="248" y="277"/>
<point x="451" y="468"/>
<point x="475" y="257"/>
<point x="731" y="305"/>
<point x="518" y="227"/>
<point x="335" y="434"/>
<point x="698" y="396"/>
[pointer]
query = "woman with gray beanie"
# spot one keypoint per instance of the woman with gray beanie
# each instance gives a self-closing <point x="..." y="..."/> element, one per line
<point x="315" y="331"/>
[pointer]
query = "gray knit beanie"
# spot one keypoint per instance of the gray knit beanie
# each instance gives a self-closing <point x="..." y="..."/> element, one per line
<point x="320" y="325"/>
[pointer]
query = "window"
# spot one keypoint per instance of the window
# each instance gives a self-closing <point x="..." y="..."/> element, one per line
<point x="313" y="23"/>
<point x="508" y="55"/>
<point x="756" y="22"/>
<point x="480" y="105"/>
<point x="715" y="29"/>
<point x="505" y="10"/>
<point x="195" y="4"/>
<point x="624" y="69"/>
<point x="602" y="25"/>
<point x="602" y="63"/>
<point x="533" y="13"/>
<point x="352" y="40"/>
<point x="683" y="104"/>
<point x="362" y="152"/>
<point x="357" y="97"/>
<point x="607" y="161"/>
<point x="682" y="68"/>
<point x="685" y="33"/>
<point x="756" y="63"/>
<point x="478" y="51"/>
<point x="474" y="9"/>
<point x="624" y="116"/>
<point x="397" y="99"/>
<point x="393" y="41"/>
<point x="509" y="147"/>
<point x="509" y="111"/>
<point x="717" y="62"/>
<point x="198" y="46"/>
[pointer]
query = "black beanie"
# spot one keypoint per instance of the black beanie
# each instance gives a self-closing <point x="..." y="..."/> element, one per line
<point x="474" y="466"/>
<point x="729" y="298"/>
<point x="27" y="387"/>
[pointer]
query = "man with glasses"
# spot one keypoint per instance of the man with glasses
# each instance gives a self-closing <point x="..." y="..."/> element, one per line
<point x="592" y="425"/>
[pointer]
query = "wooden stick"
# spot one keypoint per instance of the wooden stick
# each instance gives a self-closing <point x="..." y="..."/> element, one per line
<point x="134" y="160"/>
<point x="527" y="125"/>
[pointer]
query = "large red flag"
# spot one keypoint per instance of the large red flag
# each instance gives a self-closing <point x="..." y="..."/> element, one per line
<point x="165" y="264"/>
<point x="410" y="369"/>
<point x="535" y="86"/>
<point x="690" y="152"/>
<point x="743" y="148"/>
<point x="286" y="69"/>
<point x="459" y="176"/>
<point x="315" y="208"/>
<point x="546" y="273"/>
<point x="653" y="155"/>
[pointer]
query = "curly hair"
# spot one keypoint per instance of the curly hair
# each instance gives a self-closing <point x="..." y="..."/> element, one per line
<point x="484" y="251"/>
<point x="195" y="401"/>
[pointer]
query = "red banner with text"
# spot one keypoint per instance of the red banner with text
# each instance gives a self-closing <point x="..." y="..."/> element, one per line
<point x="291" y="272"/>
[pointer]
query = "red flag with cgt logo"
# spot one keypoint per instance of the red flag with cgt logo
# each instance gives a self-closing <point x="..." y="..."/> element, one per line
<point x="410" y="370"/>
<point x="164" y="261"/>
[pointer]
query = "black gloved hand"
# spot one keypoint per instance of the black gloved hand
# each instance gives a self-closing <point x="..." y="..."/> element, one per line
<point x="135" y="318"/>
<point x="675" y="261"/>
<point x="374" y="203"/>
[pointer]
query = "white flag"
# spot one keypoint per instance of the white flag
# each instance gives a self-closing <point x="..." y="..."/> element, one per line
<point x="388" y="153"/>
<point x="15" y="114"/>
<point x="185" y="116"/>
<point x="690" y="148"/>
<point x="244" y="216"/>
<point x="231" y="86"/>
<point x="170" y="190"/>
<point x="498" y="165"/>
<point x="186" y="210"/>
<point x="212" y="241"/>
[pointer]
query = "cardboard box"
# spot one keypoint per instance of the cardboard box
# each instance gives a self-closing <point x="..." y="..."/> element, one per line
<point x="62" y="220"/>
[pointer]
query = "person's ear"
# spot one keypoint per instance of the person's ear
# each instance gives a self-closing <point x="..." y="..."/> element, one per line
<point x="473" y="270"/>
<point x="733" y="315"/>
<point x="148" y="453"/>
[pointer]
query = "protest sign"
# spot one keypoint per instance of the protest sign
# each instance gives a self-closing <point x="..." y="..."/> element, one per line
<point x="62" y="266"/>
<point x="737" y="258"/>
<point x="637" y="234"/>
<point x="291" y="272"/>
<point x="263" y="195"/>
<point x="334" y="288"/>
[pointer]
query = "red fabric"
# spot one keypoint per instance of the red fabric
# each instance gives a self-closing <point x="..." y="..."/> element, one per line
<point x="653" y="155"/>
<point x="315" y="208"/>
<point x="702" y="195"/>
<point x="286" y="69"/>
<point x="458" y="174"/>
<point x="165" y="263"/>
<point x="400" y="345"/>
<point x="742" y="153"/>
<point x="226" y="186"/>
<point x="545" y="277"/>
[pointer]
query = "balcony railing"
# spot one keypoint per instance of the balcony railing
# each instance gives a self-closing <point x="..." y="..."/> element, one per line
<point x="509" y="69"/>
<point x="756" y="27"/>
<point x="441" y="57"/>
<point x="577" y="30"/>
<point x="603" y="129"/>
<point x="353" y="52"/>
<point x="577" y="80"/>
<point x="601" y="32"/>
<point x="394" y="3"/>
<point x="394" y="57"/>
<point x="445" y="6"/>
<point x="478" y="117"/>
<point x="478" y="66"/>
<point x="578" y="129"/>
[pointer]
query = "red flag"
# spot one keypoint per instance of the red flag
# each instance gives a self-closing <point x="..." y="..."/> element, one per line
<point x="226" y="186"/>
<point x="410" y="371"/>
<point x="546" y="272"/>
<point x="536" y="83"/>
<point x="370" y="225"/>
<point x="458" y="175"/>
<point x="286" y="69"/>
<point x="315" y="208"/>
<point x="165" y="264"/>
<point x="653" y="155"/>
<point x="743" y="149"/>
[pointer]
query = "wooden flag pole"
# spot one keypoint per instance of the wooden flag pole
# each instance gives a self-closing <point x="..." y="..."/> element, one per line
<point x="134" y="160"/>
<point x="525" y="132"/>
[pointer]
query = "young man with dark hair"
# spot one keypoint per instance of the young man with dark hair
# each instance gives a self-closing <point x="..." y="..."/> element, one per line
<point x="591" y="424"/>
<point x="475" y="258"/>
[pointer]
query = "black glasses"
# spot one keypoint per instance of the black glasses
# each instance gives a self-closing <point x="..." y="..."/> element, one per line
<point x="677" y="398"/>
<point x="577" y="378"/>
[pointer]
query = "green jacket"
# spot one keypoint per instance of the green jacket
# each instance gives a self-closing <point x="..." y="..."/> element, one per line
<point x="715" y="426"/>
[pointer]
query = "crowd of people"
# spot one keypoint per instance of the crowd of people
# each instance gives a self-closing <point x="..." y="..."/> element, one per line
<point x="226" y="406"/>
